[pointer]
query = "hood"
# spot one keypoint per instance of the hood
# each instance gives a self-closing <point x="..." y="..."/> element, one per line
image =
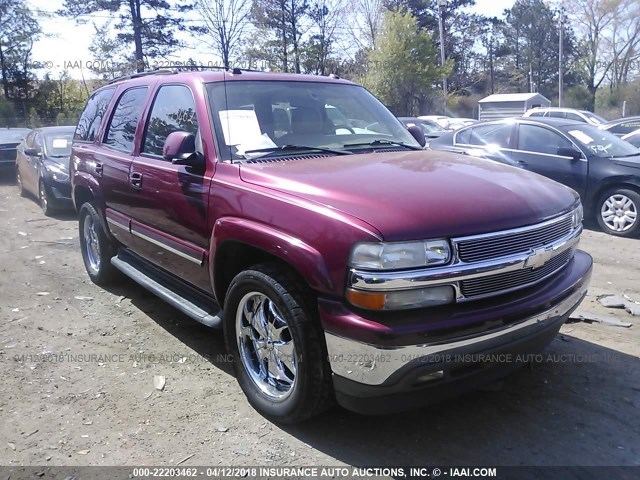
<point x="633" y="162"/>
<point x="62" y="161"/>
<point x="418" y="194"/>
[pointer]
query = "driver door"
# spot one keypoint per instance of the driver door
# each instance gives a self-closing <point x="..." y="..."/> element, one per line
<point x="537" y="151"/>
<point x="169" y="219"/>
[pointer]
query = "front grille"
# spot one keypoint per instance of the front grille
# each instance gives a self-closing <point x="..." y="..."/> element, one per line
<point x="494" y="284"/>
<point x="522" y="241"/>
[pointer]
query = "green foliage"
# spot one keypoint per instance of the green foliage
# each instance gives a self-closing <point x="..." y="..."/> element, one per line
<point x="402" y="68"/>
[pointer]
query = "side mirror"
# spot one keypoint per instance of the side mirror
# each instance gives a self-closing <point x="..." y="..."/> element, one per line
<point x="417" y="133"/>
<point x="33" y="152"/>
<point x="180" y="149"/>
<point x="570" y="152"/>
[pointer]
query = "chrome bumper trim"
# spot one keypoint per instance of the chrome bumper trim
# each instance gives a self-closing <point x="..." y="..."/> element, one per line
<point x="451" y="274"/>
<point x="373" y="365"/>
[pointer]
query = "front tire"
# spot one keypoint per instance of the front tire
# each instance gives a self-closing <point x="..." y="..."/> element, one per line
<point x="617" y="212"/>
<point x="21" y="189"/>
<point x="44" y="199"/>
<point x="96" y="248"/>
<point x="275" y="338"/>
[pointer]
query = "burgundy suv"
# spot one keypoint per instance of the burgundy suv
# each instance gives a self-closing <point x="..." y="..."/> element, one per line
<point x="342" y="261"/>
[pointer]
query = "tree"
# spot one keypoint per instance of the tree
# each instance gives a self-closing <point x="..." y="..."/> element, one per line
<point x="366" y="21"/>
<point x="285" y="19"/>
<point x="532" y="40"/>
<point x="19" y="29"/>
<point x="149" y="25"/>
<point x="403" y="65"/>
<point x="225" y="23"/>
<point x="592" y="20"/>
<point x="324" y="16"/>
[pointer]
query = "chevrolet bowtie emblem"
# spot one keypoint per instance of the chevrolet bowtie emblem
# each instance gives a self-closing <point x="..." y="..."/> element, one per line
<point x="538" y="258"/>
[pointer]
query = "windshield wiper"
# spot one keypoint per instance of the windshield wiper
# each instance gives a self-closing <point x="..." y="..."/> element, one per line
<point x="289" y="148"/>
<point x="383" y="142"/>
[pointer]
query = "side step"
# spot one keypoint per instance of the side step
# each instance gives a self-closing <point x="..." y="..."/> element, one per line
<point x="189" y="301"/>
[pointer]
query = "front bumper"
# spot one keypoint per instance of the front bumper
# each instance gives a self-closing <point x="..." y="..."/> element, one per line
<point x="390" y="374"/>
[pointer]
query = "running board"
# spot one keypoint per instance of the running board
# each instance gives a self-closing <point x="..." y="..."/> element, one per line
<point x="195" y="305"/>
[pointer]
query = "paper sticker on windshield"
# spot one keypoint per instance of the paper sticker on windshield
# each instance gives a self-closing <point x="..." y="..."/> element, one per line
<point x="583" y="137"/>
<point x="239" y="125"/>
<point x="60" y="143"/>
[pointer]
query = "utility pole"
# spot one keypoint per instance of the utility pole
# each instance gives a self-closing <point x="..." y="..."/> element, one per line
<point x="441" y="6"/>
<point x="561" y="58"/>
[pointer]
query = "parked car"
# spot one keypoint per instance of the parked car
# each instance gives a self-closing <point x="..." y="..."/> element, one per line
<point x="622" y="126"/>
<point x="633" y="138"/>
<point x="42" y="167"/>
<point x="602" y="168"/>
<point x="567" y="113"/>
<point x="342" y="267"/>
<point x="10" y="138"/>
<point x="442" y="120"/>
<point x="458" y="123"/>
<point x="429" y="128"/>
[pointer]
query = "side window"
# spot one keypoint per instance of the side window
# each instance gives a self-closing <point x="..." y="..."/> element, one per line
<point x="499" y="135"/>
<point x="537" y="114"/>
<point x="173" y="110"/>
<point x="532" y="138"/>
<point x="92" y="115"/>
<point x="29" y="140"/>
<point x="122" y="127"/>
<point x="573" y="116"/>
<point x="556" y="114"/>
<point x="625" y="128"/>
<point x="463" y="137"/>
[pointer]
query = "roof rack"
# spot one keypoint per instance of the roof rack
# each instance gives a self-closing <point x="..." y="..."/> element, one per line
<point x="175" y="68"/>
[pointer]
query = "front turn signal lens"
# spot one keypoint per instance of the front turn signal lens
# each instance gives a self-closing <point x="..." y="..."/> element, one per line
<point x="367" y="300"/>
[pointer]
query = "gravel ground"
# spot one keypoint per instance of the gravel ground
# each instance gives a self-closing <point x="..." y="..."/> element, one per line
<point x="96" y="404"/>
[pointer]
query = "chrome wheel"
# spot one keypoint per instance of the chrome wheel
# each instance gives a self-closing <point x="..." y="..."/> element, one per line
<point x="266" y="347"/>
<point x="91" y="243"/>
<point x="619" y="213"/>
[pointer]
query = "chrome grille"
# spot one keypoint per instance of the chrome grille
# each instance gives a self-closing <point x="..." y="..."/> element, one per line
<point x="504" y="282"/>
<point x="487" y="247"/>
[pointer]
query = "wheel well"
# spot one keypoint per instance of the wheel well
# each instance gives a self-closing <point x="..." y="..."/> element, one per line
<point x="606" y="188"/>
<point x="234" y="257"/>
<point x="81" y="195"/>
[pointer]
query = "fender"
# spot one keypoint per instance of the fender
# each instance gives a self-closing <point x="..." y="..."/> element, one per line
<point x="85" y="180"/>
<point x="305" y="259"/>
<point x="628" y="181"/>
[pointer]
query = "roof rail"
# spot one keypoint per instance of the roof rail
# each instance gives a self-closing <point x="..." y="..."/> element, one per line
<point x="142" y="74"/>
<point x="175" y="68"/>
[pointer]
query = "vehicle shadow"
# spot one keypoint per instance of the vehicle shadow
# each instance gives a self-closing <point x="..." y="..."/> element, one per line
<point x="577" y="406"/>
<point x="205" y="341"/>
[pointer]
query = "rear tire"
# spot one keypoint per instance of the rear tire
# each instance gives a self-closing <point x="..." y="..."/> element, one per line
<point x="96" y="248"/>
<point x="617" y="212"/>
<point x="273" y="333"/>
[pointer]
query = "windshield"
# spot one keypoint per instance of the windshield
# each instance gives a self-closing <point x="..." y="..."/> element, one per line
<point x="59" y="145"/>
<point x="253" y="117"/>
<point x="600" y="143"/>
<point x="13" y="136"/>
<point x="597" y="119"/>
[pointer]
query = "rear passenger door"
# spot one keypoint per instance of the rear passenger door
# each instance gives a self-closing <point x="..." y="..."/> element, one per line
<point x="113" y="160"/>
<point x="537" y="150"/>
<point x="169" y="218"/>
<point x="494" y="140"/>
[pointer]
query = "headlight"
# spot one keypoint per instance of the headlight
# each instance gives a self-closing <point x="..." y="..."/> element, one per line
<point x="59" y="172"/>
<point x="578" y="215"/>
<point x="395" y="256"/>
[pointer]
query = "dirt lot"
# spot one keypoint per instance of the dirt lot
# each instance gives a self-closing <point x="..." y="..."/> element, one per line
<point x="84" y="410"/>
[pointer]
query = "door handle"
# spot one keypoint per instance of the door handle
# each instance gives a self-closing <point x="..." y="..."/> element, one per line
<point x="99" y="169"/>
<point x="136" y="180"/>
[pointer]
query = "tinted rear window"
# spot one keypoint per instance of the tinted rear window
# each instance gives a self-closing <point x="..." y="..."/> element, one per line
<point x="124" y="121"/>
<point x="91" y="118"/>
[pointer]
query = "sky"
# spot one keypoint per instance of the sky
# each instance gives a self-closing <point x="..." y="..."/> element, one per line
<point x="67" y="44"/>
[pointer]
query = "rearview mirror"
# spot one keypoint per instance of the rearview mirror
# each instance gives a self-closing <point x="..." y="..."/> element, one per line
<point x="570" y="152"/>
<point x="180" y="149"/>
<point x="417" y="133"/>
<point x="33" y="152"/>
